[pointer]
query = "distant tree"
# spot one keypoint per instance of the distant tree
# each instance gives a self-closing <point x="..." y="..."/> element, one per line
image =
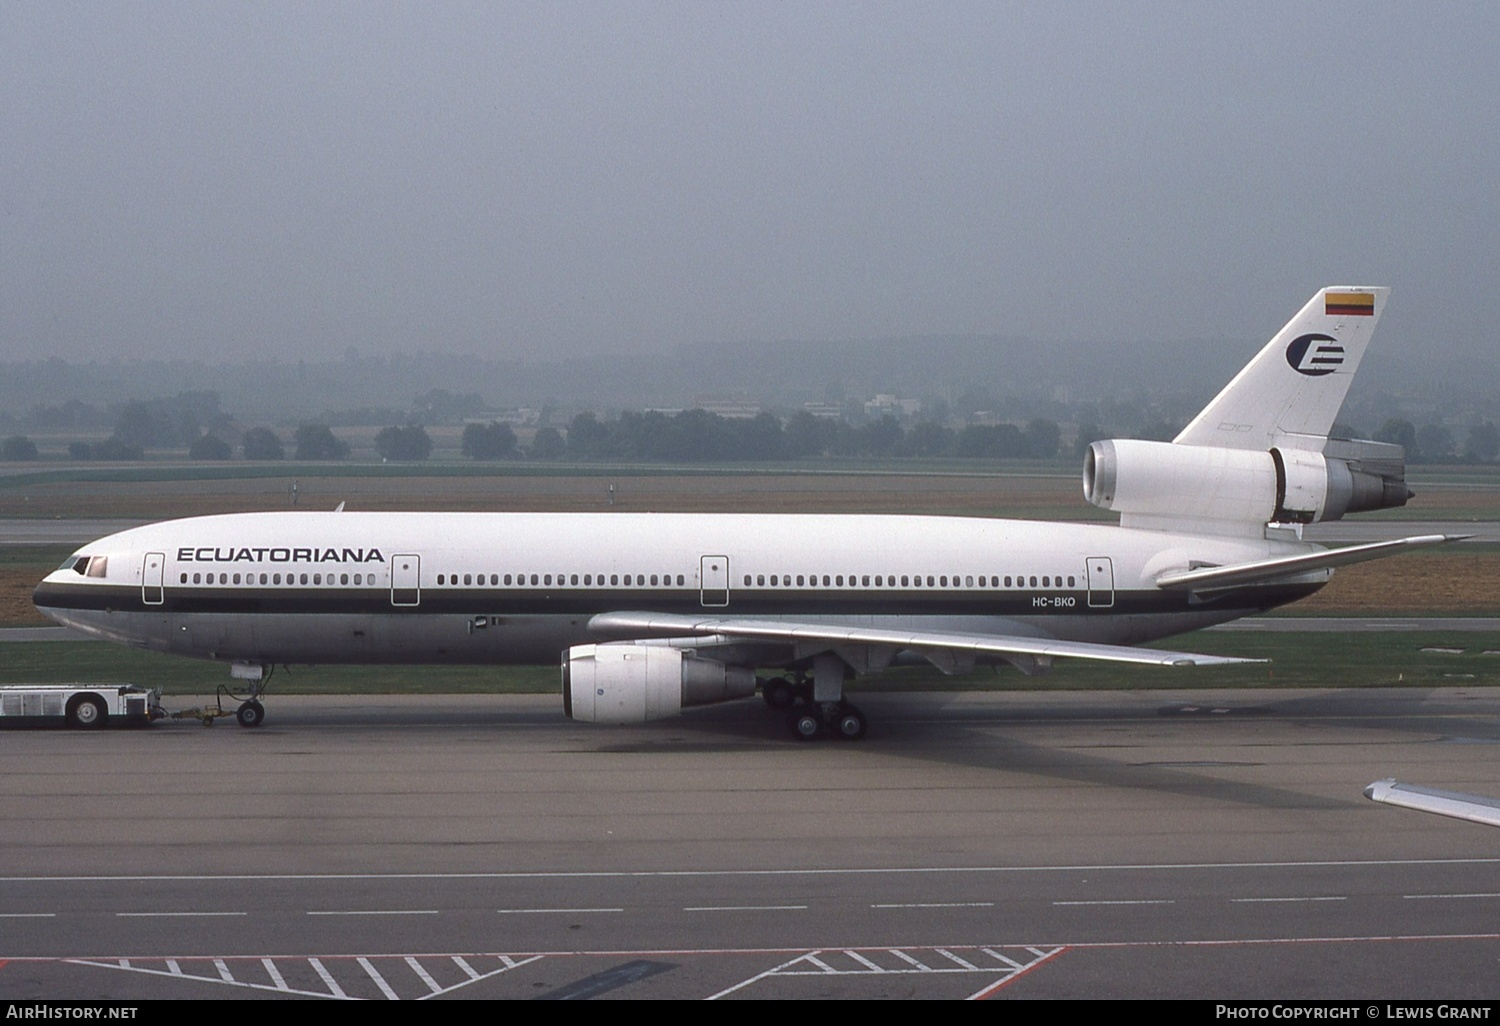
<point x="1042" y="437"/>
<point x="1483" y="443"/>
<point x="209" y="447"/>
<point x="80" y="451"/>
<point x="759" y="438"/>
<point x="317" y="442"/>
<point x="144" y="425"/>
<point x="262" y="444"/>
<point x="117" y="448"/>
<point x="406" y="442"/>
<point x="587" y="438"/>
<point x="880" y="437"/>
<point x="806" y="435"/>
<point x="548" y="444"/>
<point x="1398" y="432"/>
<point x="991" y="441"/>
<point x="929" y="438"/>
<point x="1434" y="443"/>
<point x="490" y="441"/>
<point x="17" y="449"/>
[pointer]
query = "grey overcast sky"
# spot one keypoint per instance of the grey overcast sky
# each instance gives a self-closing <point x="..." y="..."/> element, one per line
<point x="222" y="181"/>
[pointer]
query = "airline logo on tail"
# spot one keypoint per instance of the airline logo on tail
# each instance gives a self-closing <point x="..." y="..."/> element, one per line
<point x="1315" y="355"/>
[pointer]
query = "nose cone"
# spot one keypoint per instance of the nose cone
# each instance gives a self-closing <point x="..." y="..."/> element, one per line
<point x="50" y="599"/>
<point x="71" y="605"/>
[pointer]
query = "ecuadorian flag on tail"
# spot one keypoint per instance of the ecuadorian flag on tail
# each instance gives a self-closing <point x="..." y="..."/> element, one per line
<point x="1349" y="304"/>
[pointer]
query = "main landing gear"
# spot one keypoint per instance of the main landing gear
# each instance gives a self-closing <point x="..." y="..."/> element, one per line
<point x="839" y="719"/>
<point x="816" y="707"/>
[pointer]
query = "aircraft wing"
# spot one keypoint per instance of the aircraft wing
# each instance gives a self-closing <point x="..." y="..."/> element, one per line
<point x="1473" y="807"/>
<point x="1262" y="570"/>
<point x="709" y="630"/>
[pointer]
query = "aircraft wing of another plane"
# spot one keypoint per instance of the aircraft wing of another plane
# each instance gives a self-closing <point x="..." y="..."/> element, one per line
<point x="1261" y="570"/>
<point x="691" y="631"/>
<point x="1473" y="807"/>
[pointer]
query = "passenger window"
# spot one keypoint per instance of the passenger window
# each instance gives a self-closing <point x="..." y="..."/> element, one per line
<point x="198" y="578"/>
<point x="343" y="578"/>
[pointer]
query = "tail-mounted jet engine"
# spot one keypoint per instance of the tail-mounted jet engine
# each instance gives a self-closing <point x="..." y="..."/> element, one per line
<point x="622" y="682"/>
<point x="1290" y="486"/>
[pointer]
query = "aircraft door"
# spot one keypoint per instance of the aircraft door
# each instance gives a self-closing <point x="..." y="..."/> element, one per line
<point x="713" y="577"/>
<point x="406" y="579"/>
<point x="153" y="573"/>
<point x="1101" y="582"/>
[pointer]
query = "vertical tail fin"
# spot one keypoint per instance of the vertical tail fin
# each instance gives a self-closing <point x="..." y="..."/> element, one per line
<point x="1288" y="396"/>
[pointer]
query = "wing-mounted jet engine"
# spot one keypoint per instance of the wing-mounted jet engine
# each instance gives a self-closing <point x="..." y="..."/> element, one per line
<point x="624" y="682"/>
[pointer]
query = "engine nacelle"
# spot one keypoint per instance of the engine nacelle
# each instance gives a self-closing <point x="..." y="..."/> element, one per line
<point x="622" y="682"/>
<point x="1282" y="485"/>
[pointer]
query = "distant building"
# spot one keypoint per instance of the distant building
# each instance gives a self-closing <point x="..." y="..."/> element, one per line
<point x="729" y="409"/>
<point x="827" y="411"/>
<point x="883" y="404"/>
<point x="520" y="417"/>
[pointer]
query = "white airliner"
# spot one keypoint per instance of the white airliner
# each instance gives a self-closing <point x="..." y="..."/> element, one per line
<point x="652" y="612"/>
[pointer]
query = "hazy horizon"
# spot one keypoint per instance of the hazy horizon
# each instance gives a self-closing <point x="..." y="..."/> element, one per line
<point x="280" y="180"/>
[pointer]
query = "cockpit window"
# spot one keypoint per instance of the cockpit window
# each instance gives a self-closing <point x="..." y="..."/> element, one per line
<point x="86" y="566"/>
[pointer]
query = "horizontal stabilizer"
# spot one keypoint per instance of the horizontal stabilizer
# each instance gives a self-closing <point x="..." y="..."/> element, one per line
<point x="1475" y="808"/>
<point x="1263" y="570"/>
<point x="718" y="630"/>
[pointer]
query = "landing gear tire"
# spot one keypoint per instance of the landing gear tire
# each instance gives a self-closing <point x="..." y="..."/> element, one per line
<point x="805" y="724"/>
<point x="778" y="693"/>
<point x="251" y="714"/>
<point x="849" y="723"/>
<point x="86" y="712"/>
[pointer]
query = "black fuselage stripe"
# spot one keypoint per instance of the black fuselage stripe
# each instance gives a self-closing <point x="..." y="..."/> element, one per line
<point x="587" y="602"/>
